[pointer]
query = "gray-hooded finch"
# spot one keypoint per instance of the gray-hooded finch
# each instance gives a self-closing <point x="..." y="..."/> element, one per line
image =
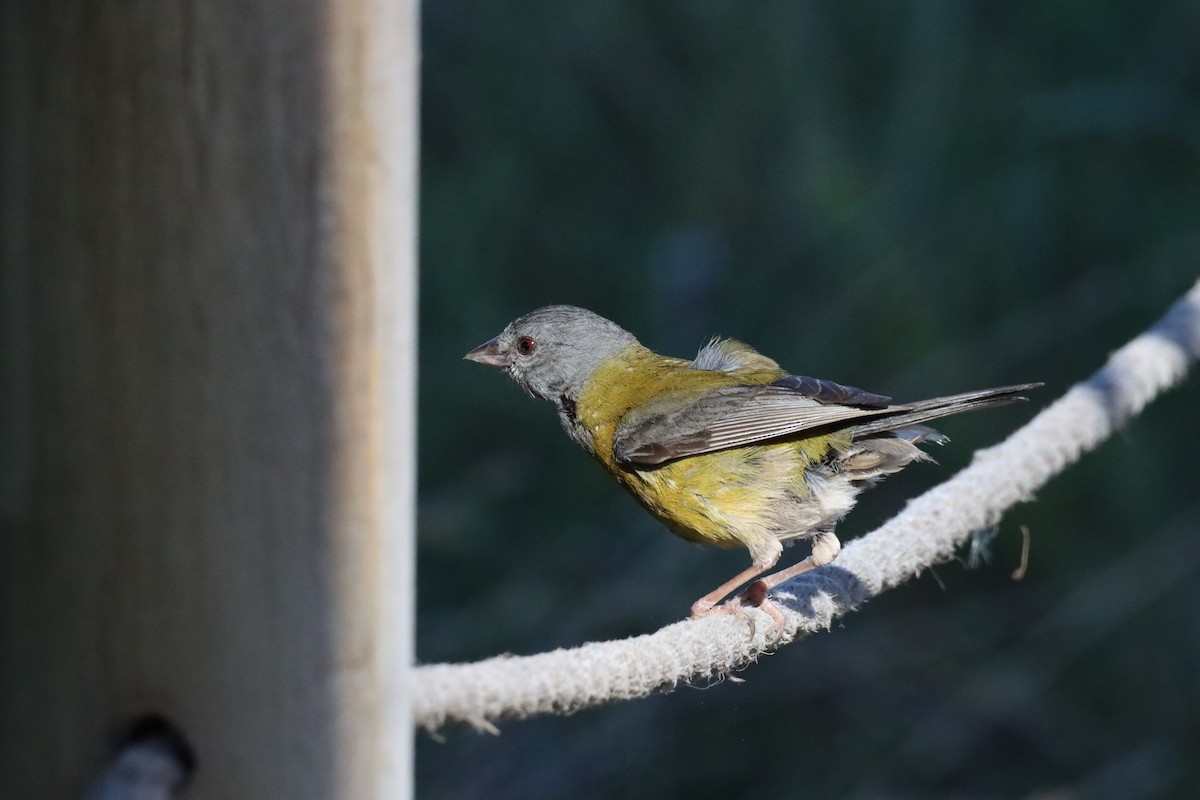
<point x="728" y="448"/>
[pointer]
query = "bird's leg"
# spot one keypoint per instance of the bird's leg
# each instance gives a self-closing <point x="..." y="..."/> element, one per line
<point x="825" y="547"/>
<point x="706" y="604"/>
<point x="765" y="556"/>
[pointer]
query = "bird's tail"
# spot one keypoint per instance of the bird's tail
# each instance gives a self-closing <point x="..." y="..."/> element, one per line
<point x="913" y="414"/>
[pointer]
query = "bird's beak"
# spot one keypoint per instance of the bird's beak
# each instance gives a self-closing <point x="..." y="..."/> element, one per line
<point x="489" y="353"/>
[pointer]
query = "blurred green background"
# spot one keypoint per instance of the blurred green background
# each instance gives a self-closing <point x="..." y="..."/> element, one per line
<point x="916" y="198"/>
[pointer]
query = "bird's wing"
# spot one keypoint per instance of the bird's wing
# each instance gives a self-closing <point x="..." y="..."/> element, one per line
<point x="731" y="416"/>
<point x="831" y="393"/>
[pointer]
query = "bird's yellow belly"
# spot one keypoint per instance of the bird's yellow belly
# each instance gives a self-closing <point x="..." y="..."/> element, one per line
<point x="724" y="498"/>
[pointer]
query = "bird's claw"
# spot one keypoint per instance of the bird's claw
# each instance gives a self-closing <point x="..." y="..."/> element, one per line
<point x="733" y="606"/>
<point x="754" y="595"/>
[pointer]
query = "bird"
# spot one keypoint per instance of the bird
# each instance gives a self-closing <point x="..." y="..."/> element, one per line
<point x="728" y="448"/>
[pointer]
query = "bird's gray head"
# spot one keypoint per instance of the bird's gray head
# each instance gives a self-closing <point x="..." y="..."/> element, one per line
<point x="552" y="352"/>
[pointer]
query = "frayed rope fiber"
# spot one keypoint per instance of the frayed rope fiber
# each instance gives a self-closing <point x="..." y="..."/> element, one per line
<point x="926" y="532"/>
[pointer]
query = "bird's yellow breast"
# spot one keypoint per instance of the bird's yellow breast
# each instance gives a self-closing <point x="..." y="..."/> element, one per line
<point x="724" y="498"/>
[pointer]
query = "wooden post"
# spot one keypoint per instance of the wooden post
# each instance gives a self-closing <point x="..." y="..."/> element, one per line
<point x="208" y="363"/>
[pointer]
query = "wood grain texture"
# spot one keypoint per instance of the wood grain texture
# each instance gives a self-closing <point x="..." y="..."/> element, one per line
<point x="219" y="271"/>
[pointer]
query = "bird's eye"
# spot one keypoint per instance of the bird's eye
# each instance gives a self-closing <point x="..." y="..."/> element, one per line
<point x="525" y="345"/>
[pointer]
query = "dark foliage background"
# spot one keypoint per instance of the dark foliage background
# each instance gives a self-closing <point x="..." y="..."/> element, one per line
<point x="917" y="198"/>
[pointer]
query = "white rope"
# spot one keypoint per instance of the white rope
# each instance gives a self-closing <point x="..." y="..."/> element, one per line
<point x="925" y="533"/>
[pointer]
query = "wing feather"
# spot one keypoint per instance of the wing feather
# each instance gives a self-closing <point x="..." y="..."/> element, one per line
<point x="824" y="391"/>
<point x="733" y="416"/>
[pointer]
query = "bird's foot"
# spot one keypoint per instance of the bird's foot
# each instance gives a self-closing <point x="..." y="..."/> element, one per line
<point x="705" y="608"/>
<point x="756" y="594"/>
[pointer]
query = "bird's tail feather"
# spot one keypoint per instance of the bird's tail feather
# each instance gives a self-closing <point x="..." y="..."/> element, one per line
<point x="911" y="414"/>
